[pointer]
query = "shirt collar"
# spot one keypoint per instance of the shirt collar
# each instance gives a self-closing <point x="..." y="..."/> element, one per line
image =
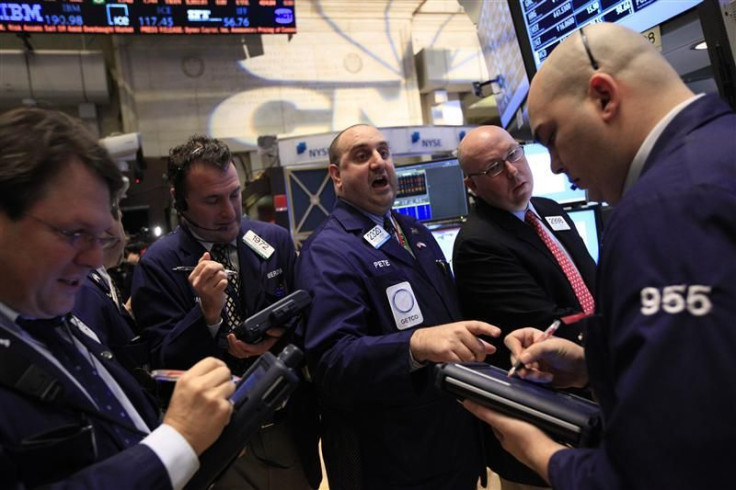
<point x="637" y="164"/>
<point x="8" y="312"/>
<point x="373" y="217"/>
<point x="522" y="214"/>
<point x="208" y="245"/>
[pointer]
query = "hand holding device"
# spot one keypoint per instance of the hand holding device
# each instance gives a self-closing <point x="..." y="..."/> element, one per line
<point x="261" y="390"/>
<point x="199" y="407"/>
<point x="565" y="417"/>
<point x="254" y="328"/>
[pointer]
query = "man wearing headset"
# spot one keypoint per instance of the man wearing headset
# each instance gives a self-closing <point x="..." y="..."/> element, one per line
<point x="238" y="267"/>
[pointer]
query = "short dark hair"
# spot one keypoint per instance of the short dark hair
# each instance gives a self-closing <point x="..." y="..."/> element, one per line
<point x="36" y="145"/>
<point x="334" y="152"/>
<point x="198" y="148"/>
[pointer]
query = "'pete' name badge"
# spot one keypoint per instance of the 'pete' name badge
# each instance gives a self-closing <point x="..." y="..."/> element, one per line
<point x="404" y="305"/>
<point x="376" y="236"/>
<point x="557" y="223"/>
<point x="258" y="244"/>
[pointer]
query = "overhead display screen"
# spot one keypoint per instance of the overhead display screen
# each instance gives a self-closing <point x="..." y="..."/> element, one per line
<point x="547" y="22"/>
<point x="503" y="57"/>
<point x="149" y="17"/>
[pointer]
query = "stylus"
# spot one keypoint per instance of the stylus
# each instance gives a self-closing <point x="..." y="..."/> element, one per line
<point x="550" y="331"/>
<point x="190" y="268"/>
<point x="567" y="320"/>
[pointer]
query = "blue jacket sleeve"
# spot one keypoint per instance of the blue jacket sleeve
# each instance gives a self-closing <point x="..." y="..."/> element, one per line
<point x="165" y="306"/>
<point x="663" y="359"/>
<point x="136" y="467"/>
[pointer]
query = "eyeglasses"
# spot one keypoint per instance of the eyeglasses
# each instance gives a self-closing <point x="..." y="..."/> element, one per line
<point x="584" y="38"/>
<point x="80" y="240"/>
<point x="497" y="166"/>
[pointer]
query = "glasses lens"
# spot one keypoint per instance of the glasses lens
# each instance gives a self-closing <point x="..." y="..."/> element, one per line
<point x="108" y="241"/>
<point x="515" y="154"/>
<point x="494" y="169"/>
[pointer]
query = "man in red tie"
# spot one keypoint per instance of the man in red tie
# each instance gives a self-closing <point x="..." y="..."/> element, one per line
<point x="518" y="260"/>
<point x="619" y="120"/>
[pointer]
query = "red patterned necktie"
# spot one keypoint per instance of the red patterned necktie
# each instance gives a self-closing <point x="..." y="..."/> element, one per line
<point x="571" y="272"/>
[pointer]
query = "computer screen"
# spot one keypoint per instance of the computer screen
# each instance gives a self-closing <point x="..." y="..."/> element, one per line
<point x="548" y="184"/>
<point x="517" y="36"/>
<point x="587" y="222"/>
<point x="541" y="25"/>
<point x="431" y="191"/>
<point x="502" y="54"/>
<point x="446" y="240"/>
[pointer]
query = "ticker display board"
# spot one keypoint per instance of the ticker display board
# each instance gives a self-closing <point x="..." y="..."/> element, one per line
<point x="543" y="24"/>
<point x="149" y="17"/>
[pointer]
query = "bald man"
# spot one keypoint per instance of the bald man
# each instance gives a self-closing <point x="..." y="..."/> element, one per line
<point x="384" y="309"/>
<point x="620" y="122"/>
<point x="505" y="273"/>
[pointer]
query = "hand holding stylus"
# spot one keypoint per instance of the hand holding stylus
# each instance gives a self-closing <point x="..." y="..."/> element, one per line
<point x="545" y="358"/>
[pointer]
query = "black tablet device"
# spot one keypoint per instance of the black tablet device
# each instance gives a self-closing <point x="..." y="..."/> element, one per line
<point x="264" y="387"/>
<point x="253" y="329"/>
<point x="567" y="418"/>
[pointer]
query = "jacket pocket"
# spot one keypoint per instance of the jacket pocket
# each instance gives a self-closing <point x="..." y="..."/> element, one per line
<point x="53" y="454"/>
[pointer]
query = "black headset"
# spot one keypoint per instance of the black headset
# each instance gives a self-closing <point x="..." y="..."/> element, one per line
<point x="177" y="172"/>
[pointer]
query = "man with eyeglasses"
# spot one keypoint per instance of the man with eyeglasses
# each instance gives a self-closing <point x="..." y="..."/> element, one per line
<point x="505" y="273"/>
<point x="71" y="415"/>
<point x="619" y="121"/>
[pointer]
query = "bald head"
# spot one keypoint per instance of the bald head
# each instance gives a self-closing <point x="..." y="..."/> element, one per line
<point x="488" y="146"/>
<point x="476" y="143"/>
<point x="620" y="52"/>
<point x="594" y="119"/>
<point x="335" y="150"/>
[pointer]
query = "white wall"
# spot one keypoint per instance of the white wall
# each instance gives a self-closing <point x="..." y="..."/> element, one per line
<point x="351" y="61"/>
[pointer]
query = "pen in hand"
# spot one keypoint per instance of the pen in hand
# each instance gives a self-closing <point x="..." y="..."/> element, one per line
<point x="190" y="268"/>
<point x="550" y="331"/>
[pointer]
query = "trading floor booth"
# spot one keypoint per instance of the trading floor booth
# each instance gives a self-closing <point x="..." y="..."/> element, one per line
<point x="430" y="182"/>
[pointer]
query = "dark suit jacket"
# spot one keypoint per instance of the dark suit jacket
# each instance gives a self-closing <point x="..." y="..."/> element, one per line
<point x="44" y="442"/>
<point x="662" y="373"/>
<point x="94" y="305"/>
<point x="386" y="426"/>
<point x="507" y="276"/>
<point x="164" y="305"/>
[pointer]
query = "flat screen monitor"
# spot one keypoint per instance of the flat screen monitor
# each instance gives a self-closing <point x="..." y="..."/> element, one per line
<point x="548" y="184"/>
<point x="431" y="191"/>
<point x="503" y="57"/>
<point x="516" y="37"/>
<point x="542" y="24"/>
<point x="587" y="222"/>
<point x="445" y="238"/>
